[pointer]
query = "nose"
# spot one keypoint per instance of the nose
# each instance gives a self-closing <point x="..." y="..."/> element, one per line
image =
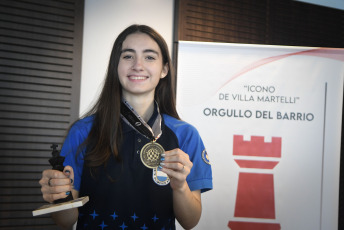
<point x="137" y="65"/>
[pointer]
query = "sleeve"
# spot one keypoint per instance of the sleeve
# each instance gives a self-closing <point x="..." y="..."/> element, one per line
<point x="200" y="177"/>
<point x="74" y="156"/>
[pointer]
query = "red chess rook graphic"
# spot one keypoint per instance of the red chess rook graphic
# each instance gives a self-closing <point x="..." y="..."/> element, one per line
<point x="255" y="193"/>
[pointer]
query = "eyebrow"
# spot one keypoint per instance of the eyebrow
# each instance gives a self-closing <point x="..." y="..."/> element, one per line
<point x="145" y="51"/>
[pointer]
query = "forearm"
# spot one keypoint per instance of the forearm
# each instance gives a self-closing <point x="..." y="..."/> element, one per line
<point x="66" y="219"/>
<point x="187" y="206"/>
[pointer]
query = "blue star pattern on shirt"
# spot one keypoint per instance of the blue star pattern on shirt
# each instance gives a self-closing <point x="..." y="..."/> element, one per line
<point x="123" y="226"/>
<point x="94" y="214"/>
<point x="111" y="220"/>
<point x="144" y="227"/>
<point x="114" y="215"/>
<point x="103" y="225"/>
<point x="134" y="217"/>
<point x="155" y="218"/>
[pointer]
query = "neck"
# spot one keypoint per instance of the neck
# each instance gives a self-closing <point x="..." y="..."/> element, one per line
<point x="143" y="106"/>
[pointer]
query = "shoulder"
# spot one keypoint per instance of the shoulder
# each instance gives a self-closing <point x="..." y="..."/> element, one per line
<point x="185" y="132"/>
<point x="178" y="125"/>
<point x="82" y="126"/>
<point x="83" y="123"/>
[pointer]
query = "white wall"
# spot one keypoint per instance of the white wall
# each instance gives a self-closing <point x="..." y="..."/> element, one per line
<point x="104" y="20"/>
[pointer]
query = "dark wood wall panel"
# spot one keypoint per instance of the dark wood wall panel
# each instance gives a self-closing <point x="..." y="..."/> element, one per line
<point x="301" y="24"/>
<point x="222" y="21"/>
<point x="259" y="22"/>
<point x="40" y="67"/>
<point x="271" y="22"/>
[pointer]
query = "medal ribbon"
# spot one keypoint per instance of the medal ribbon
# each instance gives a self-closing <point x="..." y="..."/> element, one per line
<point x="133" y="119"/>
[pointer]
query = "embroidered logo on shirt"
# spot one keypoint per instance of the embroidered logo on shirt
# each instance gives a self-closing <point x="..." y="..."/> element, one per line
<point x="205" y="157"/>
<point x="159" y="177"/>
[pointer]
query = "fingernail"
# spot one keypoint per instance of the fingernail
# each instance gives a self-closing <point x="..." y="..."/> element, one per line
<point x="163" y="154"/>
<point x="160" y="167"/>
<point x="67" y="193"/>
<point x="71" y="181"/>
<point x="162" y="159"/>
<point x="162" y="163"/>
<point x="67" y="172"/>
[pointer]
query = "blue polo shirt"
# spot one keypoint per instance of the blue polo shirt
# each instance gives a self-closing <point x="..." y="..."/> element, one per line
<point x="125" y="194"/>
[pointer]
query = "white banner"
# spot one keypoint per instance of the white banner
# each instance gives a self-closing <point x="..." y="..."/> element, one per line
<point x="270" y="117"/>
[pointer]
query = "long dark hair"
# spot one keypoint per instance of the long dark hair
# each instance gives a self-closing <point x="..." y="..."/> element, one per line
<point x="105" y="136"/>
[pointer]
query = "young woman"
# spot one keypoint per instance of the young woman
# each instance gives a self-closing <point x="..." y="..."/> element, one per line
<point x="140" y="165"/>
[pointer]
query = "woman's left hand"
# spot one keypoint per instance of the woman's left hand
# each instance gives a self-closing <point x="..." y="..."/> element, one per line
<point x="177" y="165"/>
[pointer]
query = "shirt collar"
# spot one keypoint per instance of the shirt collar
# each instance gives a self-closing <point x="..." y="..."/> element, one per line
<point x="127" y="128"/>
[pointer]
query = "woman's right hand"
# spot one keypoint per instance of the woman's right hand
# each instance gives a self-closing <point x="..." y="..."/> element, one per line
<point x="55" y="184"/>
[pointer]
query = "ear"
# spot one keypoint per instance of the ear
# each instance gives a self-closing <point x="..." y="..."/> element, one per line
<point x="164" y="71"/>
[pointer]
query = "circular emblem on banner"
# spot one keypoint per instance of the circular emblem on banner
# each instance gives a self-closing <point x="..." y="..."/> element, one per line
<point x="159" y="177"/>
<point x="205" y="157"/>
<point x="150" y="154"/>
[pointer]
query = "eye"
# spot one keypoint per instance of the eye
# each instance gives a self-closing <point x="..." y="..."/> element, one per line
<point x="127" y="56"/>
<point x="150" y="58"/>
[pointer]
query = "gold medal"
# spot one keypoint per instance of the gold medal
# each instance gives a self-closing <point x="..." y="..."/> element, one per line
<point x="151" y="154"/>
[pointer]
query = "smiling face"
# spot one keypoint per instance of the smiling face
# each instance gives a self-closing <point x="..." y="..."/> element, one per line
<point x="141" y="66"/>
